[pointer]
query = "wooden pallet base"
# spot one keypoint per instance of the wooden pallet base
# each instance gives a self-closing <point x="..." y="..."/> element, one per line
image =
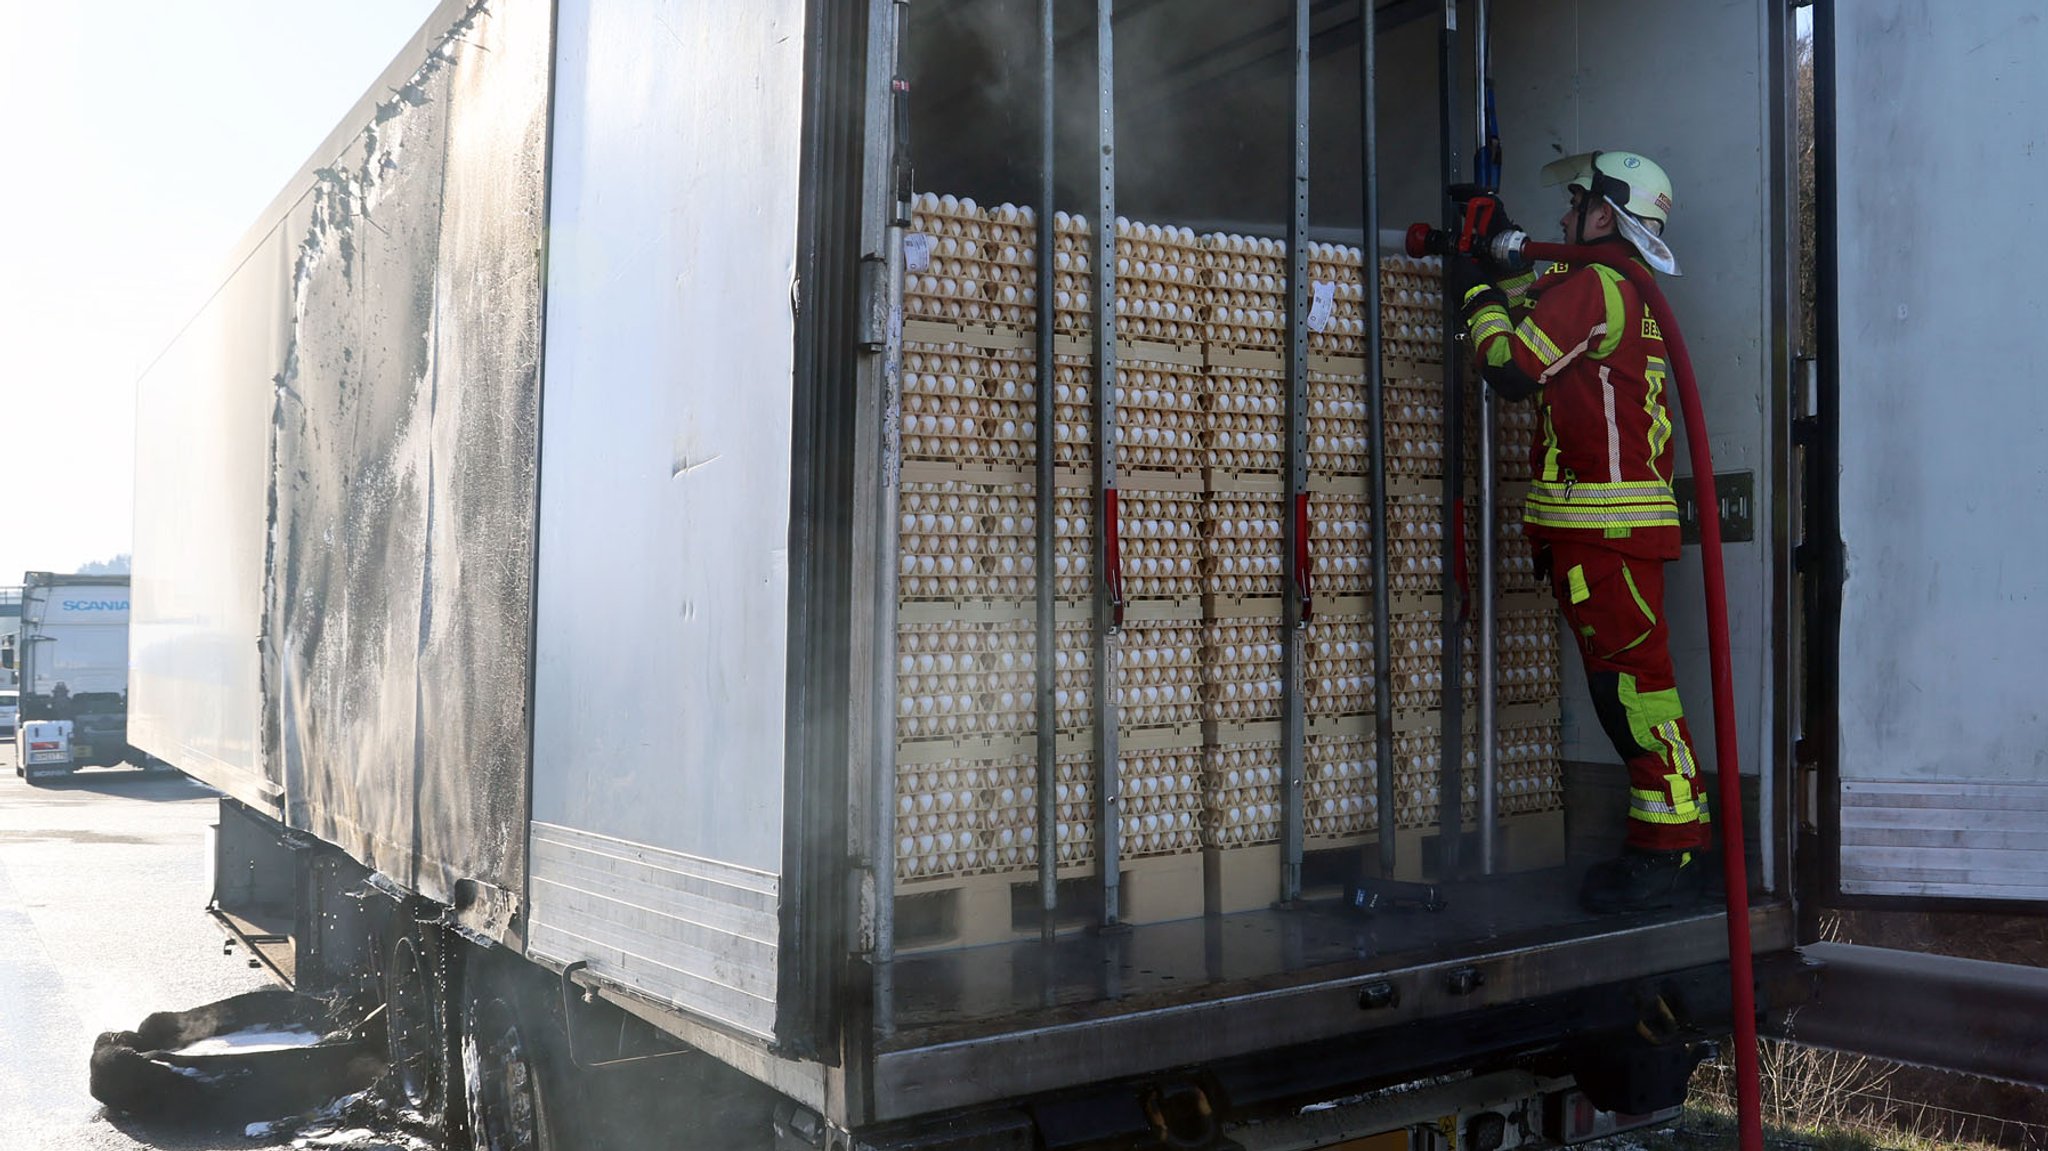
<point x="984" y="909"/>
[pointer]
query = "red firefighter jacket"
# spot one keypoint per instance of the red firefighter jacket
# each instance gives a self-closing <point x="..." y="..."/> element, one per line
<point x="1602" y="454"/>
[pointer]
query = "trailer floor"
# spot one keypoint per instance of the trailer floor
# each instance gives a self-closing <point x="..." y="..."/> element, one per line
<point x="942" y="995"/>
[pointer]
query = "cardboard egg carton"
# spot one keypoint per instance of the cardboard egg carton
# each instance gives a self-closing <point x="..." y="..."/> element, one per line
<point x="1242" y="794"/>
<point x="1073" y="542"/>
<point x="1341" y="787"/>
<point x="1241" y="670"/>
<point x="1529" y="654"/>
<point x="1157" y="279"/>
<point x="1159" y="417"/>
<point x="963" y="404"/>
<point x="1245" y="280"/>
<point x="963" y="264"/>
<point x="1413" y="417"/>
<point x="965" y="817"/>
<point x="1340" y="543"/>
<point x="1412" y="308"/>
<point x="1336" y="318"/>
<point x="1162" y="801"/>
<point x="960" y="540"/>
<point x="1159" y="675"/>
<point x="1415" y="545"/>
<point x="1161" y="541"/>
<point x="965" y="679"/>
<point x="1338" y="671"/>
<point x="1242" y="553"/>
<point x="1339" y="425"/>
<point x="1245" y="420"/>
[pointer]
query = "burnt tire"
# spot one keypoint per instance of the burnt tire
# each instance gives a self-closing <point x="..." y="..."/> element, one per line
<point x="517" y="1087"/>
<point x="419" y="1001"/>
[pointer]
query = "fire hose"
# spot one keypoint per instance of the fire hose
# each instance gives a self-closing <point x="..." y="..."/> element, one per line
<point x="1515" y="249"/>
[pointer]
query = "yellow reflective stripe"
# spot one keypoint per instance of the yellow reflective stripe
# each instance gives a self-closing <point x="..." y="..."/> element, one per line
<point x="1490" y="322"/>
<point x="1550" y="453"/>
<point x="1636" y="642"/>
<point x="1630" y="579"/>
<point x="1576" y="579"/>
<point x="1681" y="752"/>
<point x="1660" y="417"/>
<point x="1617" y="316"/>
<point x="1538" y="342"/>
<point x="1631" y="516"/>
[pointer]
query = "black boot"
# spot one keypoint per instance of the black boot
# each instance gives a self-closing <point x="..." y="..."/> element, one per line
<point x="1644" y="881"/>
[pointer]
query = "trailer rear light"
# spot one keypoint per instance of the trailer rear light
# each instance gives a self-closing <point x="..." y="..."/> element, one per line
<point x="43" y="745"/>
<point x="1572" y="1118"/>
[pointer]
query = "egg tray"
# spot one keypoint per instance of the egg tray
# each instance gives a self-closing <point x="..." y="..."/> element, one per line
<point x="1339" y="425"/>
<point x="1160" y="421"/>
<point x="1245" y="421"/>
<point x="1161" y="544"/>
<point x="959" y="540"/>
<point x="1413" y="417"/>
<point x="1241" y="670"/>
<point x="1242" y="554"/>
<point x="1241" y="794"/>
<point x="1246" y="282"/>
<point x="963" y="404"/>
<point x="980" y="265"/>
<point x="1340" y="544"/>
<point x="1338" y="673"/>
<point x="1073" y="542"/>
<point x="1342" y="787"/>
<point x="966" y="817"/>
<point x="1159" y="676"/>
<point x="960" y="678"/>
<point x="1159" y="291"/>
<point x="1528" y="667"/>
<point x="1412" y="308"/>
<point x="1415" y="549"/>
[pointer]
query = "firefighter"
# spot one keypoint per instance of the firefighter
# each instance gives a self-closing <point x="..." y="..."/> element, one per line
<point x="1582" y="342"/>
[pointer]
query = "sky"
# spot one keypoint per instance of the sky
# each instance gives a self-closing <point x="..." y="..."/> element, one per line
<point x="145" y="138"/>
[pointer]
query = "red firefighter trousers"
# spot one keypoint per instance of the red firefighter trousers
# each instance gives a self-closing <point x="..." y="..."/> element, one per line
<point x="1614" y="606"/>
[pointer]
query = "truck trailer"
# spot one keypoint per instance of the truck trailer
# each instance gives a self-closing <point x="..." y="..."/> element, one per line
<point x="71" y="657"/>
<point x="912" y="550"/>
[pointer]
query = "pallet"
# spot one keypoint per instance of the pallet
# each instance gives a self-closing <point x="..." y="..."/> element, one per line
<point x="972" y="911"/>
<point x="1238" y="879"/>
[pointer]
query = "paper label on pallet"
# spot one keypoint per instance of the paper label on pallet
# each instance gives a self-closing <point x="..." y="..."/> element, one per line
<point x="917" y="251"/>
<point x="1322" y="305"/>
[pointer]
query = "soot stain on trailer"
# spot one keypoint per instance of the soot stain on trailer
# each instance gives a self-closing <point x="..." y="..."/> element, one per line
<point x="403" y="471"/>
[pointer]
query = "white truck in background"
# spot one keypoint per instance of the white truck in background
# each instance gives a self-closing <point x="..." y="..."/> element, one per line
<point x="71" y="657"/>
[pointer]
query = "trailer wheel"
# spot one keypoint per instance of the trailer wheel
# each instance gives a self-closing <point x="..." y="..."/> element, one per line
<point x="507" y="1080"/>
<point x="419" y="1008"/>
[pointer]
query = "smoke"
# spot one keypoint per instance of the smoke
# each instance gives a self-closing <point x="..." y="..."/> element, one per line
<point x="1204" y="102"/>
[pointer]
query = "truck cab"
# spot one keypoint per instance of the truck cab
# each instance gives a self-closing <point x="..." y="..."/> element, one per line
<point x="72" y="661"/>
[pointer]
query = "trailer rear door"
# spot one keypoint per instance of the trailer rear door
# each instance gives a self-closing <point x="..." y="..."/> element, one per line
<point x="661" y="648"/>
<point x="1934" y="390"/>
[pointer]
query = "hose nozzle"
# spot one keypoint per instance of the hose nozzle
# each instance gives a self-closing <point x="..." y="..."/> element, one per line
<point x="1504" y="251"/>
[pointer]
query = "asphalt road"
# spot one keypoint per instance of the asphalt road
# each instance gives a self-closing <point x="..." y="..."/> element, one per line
<point x="102" y="921"/>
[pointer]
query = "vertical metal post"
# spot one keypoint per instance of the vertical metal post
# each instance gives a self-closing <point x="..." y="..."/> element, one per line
<point x="1375" y="374"/>
<point x="1293" y="633"/>
<point x="885" y="216"/>
<point x="1048" y="541"/>
<point x="1489" y="591"/>
<point x="1108" y="580"/>
<point x="1451" y="779"/>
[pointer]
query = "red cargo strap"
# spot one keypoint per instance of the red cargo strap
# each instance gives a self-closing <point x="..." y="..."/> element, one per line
<point x="1304" y="557"/>
<point x="1113" y="559"/>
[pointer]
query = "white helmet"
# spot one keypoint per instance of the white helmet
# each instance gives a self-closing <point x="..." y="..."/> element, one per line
<point x="1634" y="185"/>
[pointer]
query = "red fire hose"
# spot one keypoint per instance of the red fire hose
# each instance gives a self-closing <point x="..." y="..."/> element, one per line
<point x="1749" y="1109"/>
